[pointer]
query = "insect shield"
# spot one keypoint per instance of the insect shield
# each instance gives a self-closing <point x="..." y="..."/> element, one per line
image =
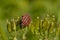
<point x="24" y="21"/>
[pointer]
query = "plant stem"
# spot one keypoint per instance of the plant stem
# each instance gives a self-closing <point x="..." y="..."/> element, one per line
<point x="3" y="34"/>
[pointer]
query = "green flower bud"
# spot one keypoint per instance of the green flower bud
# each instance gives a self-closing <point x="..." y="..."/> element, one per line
<point x="52" y="24"/>
<point x="58" y="30"/>
<point x="31" y="27"/>
<point x="15" y="38"/>
<point x="13" y="25"/>
<point x="46" y="22"/>
<point x="9" y="27"/>
<point x="37" y="23"/>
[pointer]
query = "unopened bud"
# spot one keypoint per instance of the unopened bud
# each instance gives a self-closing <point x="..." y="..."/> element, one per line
<point x="53" y="18"/>
<point x="15" y="38"/>
<point x="13" y="25"/>
<point x="9" y="26"/>
<point x="37" y="17"/>
<point x="24" y="38"/>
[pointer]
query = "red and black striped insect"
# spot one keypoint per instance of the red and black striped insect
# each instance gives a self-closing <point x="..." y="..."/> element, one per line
<point x="24" y="21"/>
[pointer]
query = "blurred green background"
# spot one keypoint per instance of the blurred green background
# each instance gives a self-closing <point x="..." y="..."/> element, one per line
<point x="14" y="8"/>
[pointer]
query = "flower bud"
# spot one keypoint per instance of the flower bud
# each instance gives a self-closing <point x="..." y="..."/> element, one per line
<point x="13" y="25"/>
<point x="31" y="27"/>
<point x="9" y="27"/>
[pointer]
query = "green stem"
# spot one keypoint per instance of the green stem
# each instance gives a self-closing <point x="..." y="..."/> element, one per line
<point x="3" y="33"/>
